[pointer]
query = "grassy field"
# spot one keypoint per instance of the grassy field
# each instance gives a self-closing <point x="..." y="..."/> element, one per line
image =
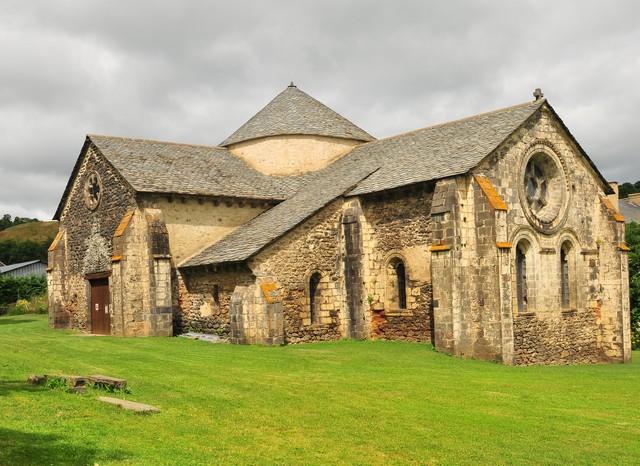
<point x="32" y="231"/>
<point x="347" y="402"/>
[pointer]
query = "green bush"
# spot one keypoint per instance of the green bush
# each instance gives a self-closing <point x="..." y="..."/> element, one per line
<point x="13" y="289"/>
<point x="13" y="252"/>
<point x="34" y="305"/>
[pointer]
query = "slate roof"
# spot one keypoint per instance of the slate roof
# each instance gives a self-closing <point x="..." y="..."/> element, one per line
<point x="295" y="112"/>
<point x="253" y="236"/>
<point x="432" y="153"/>
<point x="440" y="151"/>
<point x="428" y="154"/>
<point x="629" y="210"/>
<point x="153" y="166"/>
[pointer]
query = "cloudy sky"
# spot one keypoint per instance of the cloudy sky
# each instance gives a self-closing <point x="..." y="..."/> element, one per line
<point x="195" y="71"/>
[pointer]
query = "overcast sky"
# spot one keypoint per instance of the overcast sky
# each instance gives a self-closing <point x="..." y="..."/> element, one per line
<point x="195" y="71"/>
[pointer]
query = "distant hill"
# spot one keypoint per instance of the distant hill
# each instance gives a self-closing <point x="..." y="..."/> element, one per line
<point x="32" y="231"/>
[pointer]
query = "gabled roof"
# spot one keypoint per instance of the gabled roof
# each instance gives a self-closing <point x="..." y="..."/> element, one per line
<point x="166" y="167"/>
<point x="428" y="154"/>
<point x="629" y="210"/>
<point x="153" y="166"/>
<point x="424" y="155"/>
<point x="252" y="237"/>
<point x="441" y="151"/>
<point x="294" y="112"/>
<point x="9" y="268"/>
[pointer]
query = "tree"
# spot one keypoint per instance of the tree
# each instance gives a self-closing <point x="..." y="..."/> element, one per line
<point x="633" y="241"/>
<point x="6" y="221"/>
<point x="13" y="252"/>
<point x="625" y="189"/>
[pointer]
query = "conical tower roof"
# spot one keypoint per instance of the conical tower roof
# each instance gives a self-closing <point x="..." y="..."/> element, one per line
<point x="295" y="112"/>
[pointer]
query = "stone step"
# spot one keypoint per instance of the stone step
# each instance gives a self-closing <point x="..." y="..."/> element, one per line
<point x="72" y="380"/>
<point x="130" y="405"/>
<point x="76" y="381"/>
<point x="106" y="381"/>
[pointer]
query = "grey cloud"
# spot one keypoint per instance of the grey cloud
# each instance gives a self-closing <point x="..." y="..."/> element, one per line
<point x="195" y="71"/>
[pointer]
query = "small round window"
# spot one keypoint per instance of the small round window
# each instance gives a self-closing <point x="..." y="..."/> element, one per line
<point x="92" y="190"/>
<point x="544" y="192"/>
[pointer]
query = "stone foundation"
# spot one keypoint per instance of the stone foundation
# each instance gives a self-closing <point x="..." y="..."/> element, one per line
<point x="570" y="337"/>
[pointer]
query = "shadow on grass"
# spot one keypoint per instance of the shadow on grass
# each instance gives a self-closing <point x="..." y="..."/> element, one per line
<point x="5" y="321"/>
<point x="26" y="448"/>
<point x="7" y="386"/>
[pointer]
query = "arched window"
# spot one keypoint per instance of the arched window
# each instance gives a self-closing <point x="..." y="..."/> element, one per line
<point x="402" y="285"/>
<point x="396" y="289"/>
<point x="521" y="276"/>
<point x="567" y="279"/>
<point x="314" y="297"/>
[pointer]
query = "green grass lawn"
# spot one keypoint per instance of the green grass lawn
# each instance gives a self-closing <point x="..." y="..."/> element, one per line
<point x="347" y="402"/>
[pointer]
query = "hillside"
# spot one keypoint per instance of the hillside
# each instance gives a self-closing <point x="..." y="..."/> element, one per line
<point x="32" y="231"/>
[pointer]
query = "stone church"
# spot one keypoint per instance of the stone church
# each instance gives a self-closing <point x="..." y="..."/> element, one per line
<point x="492" y="237"/>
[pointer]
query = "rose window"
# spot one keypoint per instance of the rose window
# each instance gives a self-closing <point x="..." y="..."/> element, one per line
<point x="92" y="190"/>
<point x="544" y="191"/>
<point x="536" y="187"/>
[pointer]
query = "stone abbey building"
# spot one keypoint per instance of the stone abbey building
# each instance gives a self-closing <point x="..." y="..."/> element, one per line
<point x="492" y="237"/>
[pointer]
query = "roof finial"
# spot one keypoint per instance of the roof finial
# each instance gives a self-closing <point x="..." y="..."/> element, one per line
<point x="538" y="94"/>
<point x="292" y="85"/>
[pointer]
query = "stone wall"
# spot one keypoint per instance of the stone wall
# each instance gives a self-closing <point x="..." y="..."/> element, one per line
<point x="480" y="221"/>
<point x="288" y="155"/>
<point x="397" y="229"/>
<point x="568" y="337"/>
<point x="56" y="282"/>
<point x="130" y="279"/>
<point x="195" y="222"/>
<point x="203" y="299"/>
<point x="354" y="273"/>
<point x="88" y="240"/>
<point x="574" y="214"/>
<point x="257" y="314"/>
<point x="313" y="247"/>
<point x="444" y="270"/>
<point x="483" y="304"/>
<point x="350" y="245"/>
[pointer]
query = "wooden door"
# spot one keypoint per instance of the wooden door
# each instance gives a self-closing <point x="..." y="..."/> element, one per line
<point x="100" y="317"/>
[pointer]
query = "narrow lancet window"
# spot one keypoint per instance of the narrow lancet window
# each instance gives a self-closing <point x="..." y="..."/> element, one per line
<point x="396" y="288"/>
<point x="216" y="295"/>
<point x="521" y="278"/>
<point x="314" y="297"/>
<point x="567" y="268"/>
<point x="402" y="286"/>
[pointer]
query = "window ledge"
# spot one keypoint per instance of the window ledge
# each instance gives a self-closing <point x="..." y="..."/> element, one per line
<point x="526" y="315"/>
<point x="399" y="313"/>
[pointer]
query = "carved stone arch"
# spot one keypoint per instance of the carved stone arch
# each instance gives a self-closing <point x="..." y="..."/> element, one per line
<point x="525" y="270"/>
<point x="313" y="290"/>
<point x="544" y="189"/>
<point x="395" y="281"/>
<point x="568" y="248"/>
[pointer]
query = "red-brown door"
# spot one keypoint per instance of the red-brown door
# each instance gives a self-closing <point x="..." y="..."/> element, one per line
<point x="100" y="318"/>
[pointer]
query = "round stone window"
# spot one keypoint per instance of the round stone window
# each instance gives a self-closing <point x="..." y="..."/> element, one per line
<point x="544" y="191"/>
<point x="92" y="190"/>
